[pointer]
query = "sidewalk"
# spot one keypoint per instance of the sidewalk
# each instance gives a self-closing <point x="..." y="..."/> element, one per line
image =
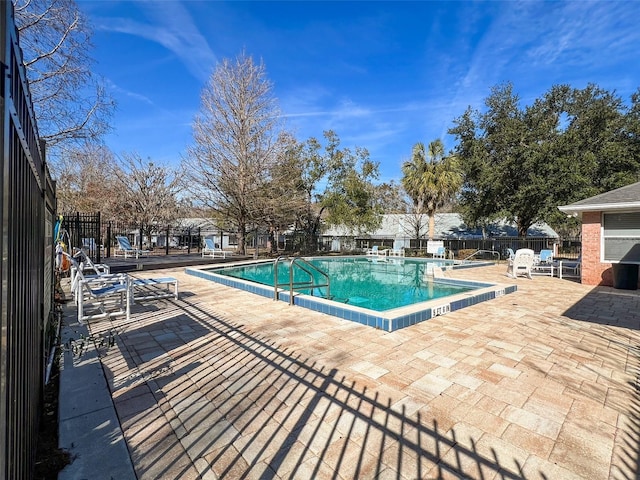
<point x="89" y="427"/>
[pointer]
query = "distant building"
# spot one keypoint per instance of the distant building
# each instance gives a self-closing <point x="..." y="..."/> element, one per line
<point x="190" y="231"/>
<point x="411" y="231"/>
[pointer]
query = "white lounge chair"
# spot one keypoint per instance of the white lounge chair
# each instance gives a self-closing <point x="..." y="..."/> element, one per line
<point x="440" y="253"/>
<point x="94" y="286"/>
<point x="103" y="292"/>
<point x="90" y="245"/>
<point x="152" y="288"/>
<point x="86" y="264"/>
<point x="395" y="252"/>
<point x="210" y="250"/>
<point x="543" y="263"/>
<point x="81" y="263"/>
<point x="569" y="268"/>
<point x="521" y="263"/>
<point x="375" y="252"/>
<point x="545" y="256"/>
<point x="125" y="249"/>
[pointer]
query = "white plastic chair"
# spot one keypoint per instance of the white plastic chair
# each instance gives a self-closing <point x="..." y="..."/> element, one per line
<point x="521" y="263"/>
<point x="373" y="251"/>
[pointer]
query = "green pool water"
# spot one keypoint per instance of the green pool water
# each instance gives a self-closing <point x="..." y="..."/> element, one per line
<point x="374" y="284"/>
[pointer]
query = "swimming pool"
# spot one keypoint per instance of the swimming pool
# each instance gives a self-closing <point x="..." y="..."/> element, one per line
<point x="387" y="294"/>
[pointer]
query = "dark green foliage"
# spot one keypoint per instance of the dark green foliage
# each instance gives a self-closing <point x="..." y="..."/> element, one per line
<point x="337" y="185"/>
<point x="520" y="163"/>
<point x="431" y="179"/>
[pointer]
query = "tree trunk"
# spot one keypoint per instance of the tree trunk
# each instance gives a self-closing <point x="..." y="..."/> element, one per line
<point x="432" y="225"/>
<point x="522" y="229"/>
<point x="242" y="235"/>
<point x="272" y="247"/>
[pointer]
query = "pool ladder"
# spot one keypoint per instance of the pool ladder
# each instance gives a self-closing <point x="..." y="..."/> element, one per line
<point x="306" y="267"/>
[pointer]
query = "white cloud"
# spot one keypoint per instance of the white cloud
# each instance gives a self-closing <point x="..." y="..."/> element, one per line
<point x="172" y="27"/>
<point x="128" y="93"/>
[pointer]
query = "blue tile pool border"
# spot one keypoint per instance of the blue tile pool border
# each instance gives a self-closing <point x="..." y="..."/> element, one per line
<point x="389" y="320"/>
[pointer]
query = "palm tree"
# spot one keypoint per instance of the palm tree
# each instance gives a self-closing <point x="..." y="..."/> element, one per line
<point x="431" y="179"/>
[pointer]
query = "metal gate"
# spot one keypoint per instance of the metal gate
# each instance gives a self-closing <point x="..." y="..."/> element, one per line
<point x="85" y="232"/>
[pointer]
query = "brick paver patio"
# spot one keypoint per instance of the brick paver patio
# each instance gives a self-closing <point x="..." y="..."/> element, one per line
<point x="541" y="383"/>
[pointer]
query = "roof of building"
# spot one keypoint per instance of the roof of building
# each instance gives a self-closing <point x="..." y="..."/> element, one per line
<point x="447" y="226"/>
<point x="623" y="198"/>
<point x="202" y="223"/>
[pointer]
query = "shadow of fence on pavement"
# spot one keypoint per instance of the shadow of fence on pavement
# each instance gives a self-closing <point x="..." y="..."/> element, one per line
<point x="209" y="394"/>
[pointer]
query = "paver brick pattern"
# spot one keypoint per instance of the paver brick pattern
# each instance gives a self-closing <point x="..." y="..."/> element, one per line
<point x="541" y="383"/>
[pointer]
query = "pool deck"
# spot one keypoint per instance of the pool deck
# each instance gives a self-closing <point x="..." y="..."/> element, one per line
<point x="541" y="383"/>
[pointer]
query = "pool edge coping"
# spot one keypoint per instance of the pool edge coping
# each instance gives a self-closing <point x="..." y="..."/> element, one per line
<point x="389" y="320"/>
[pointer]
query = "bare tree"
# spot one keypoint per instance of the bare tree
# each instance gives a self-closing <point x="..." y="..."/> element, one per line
<point x="149" y="193"/>
<point x="70" y="103"/>
<point x="236" y="144"/>
<point x="392" y="198"/>
<point x="416" y="225"/>
<point x="86" y="181"/>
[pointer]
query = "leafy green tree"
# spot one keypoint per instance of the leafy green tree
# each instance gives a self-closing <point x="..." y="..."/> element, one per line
<point x="337" y="185"/>
<point x="632" y="129"/>
<point x="392" y="198"/>
<point x="503" y="160"/>
<point x="282" y="195"/>
<point x="521" y="163"/>
<point x="431" y="179"/>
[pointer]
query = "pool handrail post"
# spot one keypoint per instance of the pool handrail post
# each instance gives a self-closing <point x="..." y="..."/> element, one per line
<point x="301" y="262"/>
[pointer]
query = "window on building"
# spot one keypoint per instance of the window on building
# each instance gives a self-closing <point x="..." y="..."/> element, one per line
<point x="621" y="237"/>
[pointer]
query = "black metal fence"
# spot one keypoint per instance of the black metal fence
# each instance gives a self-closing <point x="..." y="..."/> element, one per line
<point x="27" y="199"/>
<point x="98" y="237"/>
<point x="84" y="230"/>
<point x="564" y="248"/>
<point x="569" y="248"/>
<point x="159" y="239"/>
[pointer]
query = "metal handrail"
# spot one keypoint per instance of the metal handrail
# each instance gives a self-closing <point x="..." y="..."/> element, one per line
<point x="492" y="252"/>
<point x="306" y="267"/>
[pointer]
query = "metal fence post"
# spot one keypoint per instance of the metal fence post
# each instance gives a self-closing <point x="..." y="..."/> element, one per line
<point x="98" y="231"/>
<point x="109" y="240"/>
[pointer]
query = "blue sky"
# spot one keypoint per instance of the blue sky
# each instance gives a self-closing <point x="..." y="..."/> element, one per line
<point x="382" y="75"/>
